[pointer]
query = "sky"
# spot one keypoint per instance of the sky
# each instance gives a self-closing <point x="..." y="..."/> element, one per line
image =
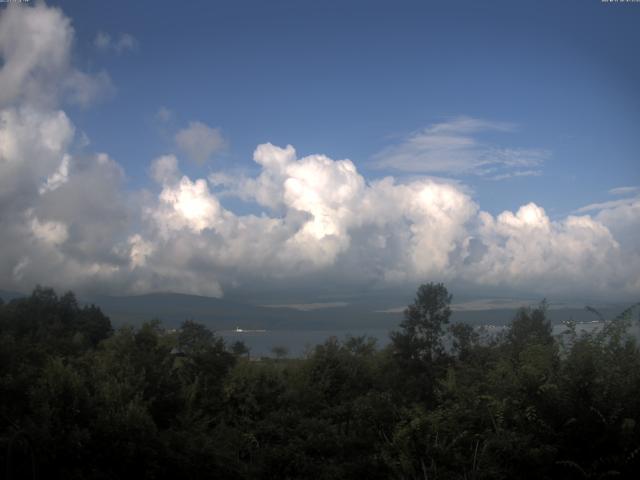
<point x="319" y="150"/>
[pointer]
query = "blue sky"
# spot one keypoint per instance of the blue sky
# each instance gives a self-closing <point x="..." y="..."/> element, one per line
<point x="349" y="78"/>
<point x="507" y="133"/>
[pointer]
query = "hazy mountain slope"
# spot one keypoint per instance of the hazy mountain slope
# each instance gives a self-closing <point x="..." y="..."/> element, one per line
<point x="8" y="295"/>
<point x="357" y="314"/>
<point x="221" y="314"/>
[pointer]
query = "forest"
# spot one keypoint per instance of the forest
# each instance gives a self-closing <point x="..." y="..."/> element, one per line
<point x="82" y="400"/>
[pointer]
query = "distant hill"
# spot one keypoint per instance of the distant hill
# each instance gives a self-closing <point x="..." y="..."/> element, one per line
<point x="356" y="314"/>
<point x="173" y="309"/>
<point x="220" y="314"/>
<point x="8" y="295"/>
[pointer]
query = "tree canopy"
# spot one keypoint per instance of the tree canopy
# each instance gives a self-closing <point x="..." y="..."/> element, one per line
<point x="80" y="400"/>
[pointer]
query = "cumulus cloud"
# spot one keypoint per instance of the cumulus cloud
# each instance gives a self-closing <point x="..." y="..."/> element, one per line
<point x="61" y="211"/>
<point x="324" y="217"/>
<point x="526" y="249"/>
<point x="57" y="178"/>
<point x="35" y="47"/>
<point x="164" y="169"/>
<point x="321" y="218"/>
<point x="188" y="205"/>
<point x="69" y="235"/>
<point x="66" y="220"/>
<point x="623" y="221"/>
<point x="454" y="148"/>
<point x="33" y="144"/>
<point x="54" y="233"/>
<point x="200" y="141"/>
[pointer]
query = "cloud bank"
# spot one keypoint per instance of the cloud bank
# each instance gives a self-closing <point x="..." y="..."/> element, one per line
<point x="66" y="220"/>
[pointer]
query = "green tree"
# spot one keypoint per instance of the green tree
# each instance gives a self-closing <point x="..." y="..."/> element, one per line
<point x="530" y="326"/>
<point x="239" y="348"/>
<point x="423" y="326"/>
<point x="464" y="339"/>
<point x="418" y="347"/>
<point x="280" y="351"/>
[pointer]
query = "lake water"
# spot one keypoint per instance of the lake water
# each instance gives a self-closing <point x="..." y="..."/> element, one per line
<point x="298" y="342"/>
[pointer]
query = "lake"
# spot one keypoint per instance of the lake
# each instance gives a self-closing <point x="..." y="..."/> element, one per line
<point x="298" y="342"/>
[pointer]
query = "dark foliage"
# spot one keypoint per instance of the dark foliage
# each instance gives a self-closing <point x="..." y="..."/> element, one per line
<point x="80" y="401"/>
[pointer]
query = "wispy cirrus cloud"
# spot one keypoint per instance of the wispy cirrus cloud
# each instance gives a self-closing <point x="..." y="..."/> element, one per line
<point x="454" y="148"/>
<point x="596" y="207"/>
<point x="517" y="173"/>
<point x="630" y="190"/>
<point x="308" y="307"/>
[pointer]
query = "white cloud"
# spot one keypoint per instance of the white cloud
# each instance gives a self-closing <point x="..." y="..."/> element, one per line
<point x="328" y="219"/>
<point x="188" y="205"/>
<point x="623" y="221"/>
<point x="321" y="218"/>
<point x="83" y="89"/>
<point x="33" y="145"/>
<point x="35" y="47"/>
<point x="518" y="173"/>
<point x="164" y="169"/>
<point x="102" y="41"/>
<point x="66" y="220"/>
<point x="624" y="190"/>
<point x="65" y="232"/>
<point x="609" y="204"/>
<point x="451" y="148"/>
<point x="324" y="218"/>
<point x="308" y="307"/>
<point x="122" y="43"/>
<point x="58" y="178"/>
<point x="529" y="251"/>
<point x="54" y="233"/>
<point x="469" y="125"/>
<point x="200" y="141"/>
<point x="163" y="115"/>
<point x="140" y="250"/>
<point x="126" y="41"/>
<point x="62" y="213"/>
